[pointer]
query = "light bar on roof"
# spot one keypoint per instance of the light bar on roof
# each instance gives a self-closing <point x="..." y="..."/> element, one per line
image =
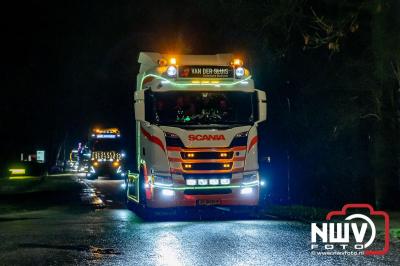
<point x="106" y="136"/>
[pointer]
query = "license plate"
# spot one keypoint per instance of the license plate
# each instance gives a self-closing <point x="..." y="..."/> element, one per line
<point x="208" y="202"/>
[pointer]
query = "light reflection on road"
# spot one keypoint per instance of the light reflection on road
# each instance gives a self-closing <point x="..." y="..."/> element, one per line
<point x="167" y="247"/>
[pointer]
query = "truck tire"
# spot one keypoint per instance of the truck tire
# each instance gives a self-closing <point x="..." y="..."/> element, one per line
<point x="142" y="190"/>
<point x="92" y="177"/>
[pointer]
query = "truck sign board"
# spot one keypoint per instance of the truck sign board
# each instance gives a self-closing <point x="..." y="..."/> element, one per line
<point x="205" y="72"/>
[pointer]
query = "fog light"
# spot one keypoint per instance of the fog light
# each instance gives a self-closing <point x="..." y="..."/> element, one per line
<point x="202" y="182"/>
<point x="191" y="182"/>
<point x="247" y="190"/>
<point x="168" y="192"/>
<point x="225" y="181"/>
<point x="214" y="181"/>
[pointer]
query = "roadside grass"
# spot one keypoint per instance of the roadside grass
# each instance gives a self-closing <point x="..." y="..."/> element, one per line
<point x="296" y="212"/>
<point x="26" y="193"/>
<point x="19" y="184"/>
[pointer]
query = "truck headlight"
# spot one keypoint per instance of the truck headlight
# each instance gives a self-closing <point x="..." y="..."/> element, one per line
<point x="171" y="71"/>
<point x="162" y="180"/>
<point x="250" y="179"/>
<point x="239" y="72"/>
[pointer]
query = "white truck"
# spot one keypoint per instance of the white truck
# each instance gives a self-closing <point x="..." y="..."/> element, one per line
<point x="196" y="135"/>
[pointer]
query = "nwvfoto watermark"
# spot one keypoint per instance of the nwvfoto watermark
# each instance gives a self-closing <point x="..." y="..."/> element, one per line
<point x="347" y="234"/>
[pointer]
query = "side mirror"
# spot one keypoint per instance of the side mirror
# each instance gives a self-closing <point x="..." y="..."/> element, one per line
<point x="262" y="106"/>
<point x="139" y="106"/>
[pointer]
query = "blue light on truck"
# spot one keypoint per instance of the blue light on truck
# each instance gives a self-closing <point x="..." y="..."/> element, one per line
<point x="106" y="136"/>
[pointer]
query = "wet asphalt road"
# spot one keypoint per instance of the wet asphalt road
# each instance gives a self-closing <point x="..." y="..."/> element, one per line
<point x="114" y="235"/>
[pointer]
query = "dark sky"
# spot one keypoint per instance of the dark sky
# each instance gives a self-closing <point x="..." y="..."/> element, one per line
<point x="70" y="65"/>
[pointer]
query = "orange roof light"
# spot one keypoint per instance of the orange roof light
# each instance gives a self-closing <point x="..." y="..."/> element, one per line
<point x="237" y="62"/>
<point x="172" y="61"/>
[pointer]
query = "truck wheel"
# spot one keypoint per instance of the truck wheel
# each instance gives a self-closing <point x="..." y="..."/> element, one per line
<point x="92" y="177"/>
<point x="142" y="190"/>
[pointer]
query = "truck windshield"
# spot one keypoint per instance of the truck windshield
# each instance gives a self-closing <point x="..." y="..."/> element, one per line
<point x="201" y="108"/>
<point x="106" y="145"/>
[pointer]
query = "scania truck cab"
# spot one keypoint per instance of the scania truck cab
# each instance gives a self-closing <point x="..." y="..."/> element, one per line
<point x="196" y="132"/>
<point x="106" y="154"/>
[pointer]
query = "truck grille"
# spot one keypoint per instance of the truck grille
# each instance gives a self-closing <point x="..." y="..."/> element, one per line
<point x="207" y="155"/>
<point x="106" y="155"/>
<point x="207" y="166"/>
<point x="207" y="176"/>
<point x="207" y="191"/>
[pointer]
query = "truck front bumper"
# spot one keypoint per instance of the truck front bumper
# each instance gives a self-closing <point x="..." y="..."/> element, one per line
<point x="169" y="197"/>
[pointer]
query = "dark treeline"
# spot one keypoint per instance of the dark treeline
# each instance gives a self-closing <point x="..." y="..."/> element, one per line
<point x="331" y="70"/>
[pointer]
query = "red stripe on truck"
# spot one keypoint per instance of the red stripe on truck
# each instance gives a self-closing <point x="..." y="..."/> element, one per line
<point x="152" y="138"/>
<point x="253" y="142"/>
